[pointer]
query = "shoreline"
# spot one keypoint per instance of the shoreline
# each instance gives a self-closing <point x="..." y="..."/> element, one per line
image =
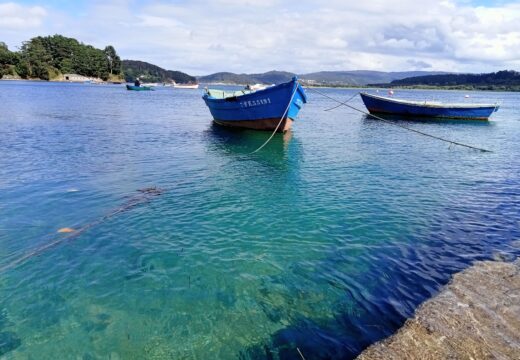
<point x="66" y="81"/>
<point x="418" y="87"/>
<point x="475" y="316"/>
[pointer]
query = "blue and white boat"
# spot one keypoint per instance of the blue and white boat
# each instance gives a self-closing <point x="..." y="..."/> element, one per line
<point x="384" y="105"/>
<point x="267" y="109"/>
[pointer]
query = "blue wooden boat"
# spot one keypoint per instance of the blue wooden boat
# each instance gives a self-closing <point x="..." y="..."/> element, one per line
<point x="261" y="109"/>
<point x="384" y="105"/>
<point x="138" y="88"/>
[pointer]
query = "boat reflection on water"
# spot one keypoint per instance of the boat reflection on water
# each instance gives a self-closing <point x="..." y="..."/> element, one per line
<point x="404" y="120"/>
<point x="236" y="141"/>
<point x="420" y="133"/>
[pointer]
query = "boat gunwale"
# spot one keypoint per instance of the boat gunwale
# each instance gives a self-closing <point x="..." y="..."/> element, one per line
<point x="294" y="82"/>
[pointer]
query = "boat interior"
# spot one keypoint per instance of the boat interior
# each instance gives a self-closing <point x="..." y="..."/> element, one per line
<point x="222" y="94"/>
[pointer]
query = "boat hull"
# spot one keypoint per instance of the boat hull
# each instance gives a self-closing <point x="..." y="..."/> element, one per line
<point x="380" y="105"/>
<point x="259" y="110"/>
<point x="138" y="88"/>
<point x="260" y="124"/>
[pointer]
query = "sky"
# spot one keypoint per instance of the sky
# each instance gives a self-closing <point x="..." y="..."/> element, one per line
<point x="253" y="36"/>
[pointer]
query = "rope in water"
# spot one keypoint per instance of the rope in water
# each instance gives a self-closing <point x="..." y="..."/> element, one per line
<point x="145" y="195"/>
<point x="343" y="103"/>
<point x="451" y="142"/>
<point x="279" y="123"/>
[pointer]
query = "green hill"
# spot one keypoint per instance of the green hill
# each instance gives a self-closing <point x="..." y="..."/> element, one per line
<point x="501" y="80"/>
<point x="49" y="57"/>
<point x="360" y="77"/>
<point x="153" y="73"/>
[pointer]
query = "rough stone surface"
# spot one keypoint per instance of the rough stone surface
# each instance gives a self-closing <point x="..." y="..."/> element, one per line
<point x="476" y="316"/>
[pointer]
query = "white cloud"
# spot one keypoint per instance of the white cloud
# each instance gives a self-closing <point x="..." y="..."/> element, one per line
<point x="17" y="17"/>
<point x="254" y="36"/>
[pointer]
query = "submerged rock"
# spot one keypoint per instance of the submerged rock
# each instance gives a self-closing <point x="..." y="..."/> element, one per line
<point x="151" y="190"/>
<point x="476" y="316"/>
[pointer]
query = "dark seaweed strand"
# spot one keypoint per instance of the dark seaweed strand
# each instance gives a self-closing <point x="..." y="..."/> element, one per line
<point x="145" y="196"/>
<point x="392" y="123"/>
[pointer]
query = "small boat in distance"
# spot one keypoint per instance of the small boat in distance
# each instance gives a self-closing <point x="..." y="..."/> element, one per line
<point x="139" y="88"/>
<point x="267" y="109"/>
<point x="383" y="105"/>
<point x="186" y="86"/>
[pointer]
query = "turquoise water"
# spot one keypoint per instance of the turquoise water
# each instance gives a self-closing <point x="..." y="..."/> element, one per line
<point x="326" y="240"/>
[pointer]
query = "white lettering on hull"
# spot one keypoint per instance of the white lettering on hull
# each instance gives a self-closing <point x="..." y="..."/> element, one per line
<point x="253" y="103"/>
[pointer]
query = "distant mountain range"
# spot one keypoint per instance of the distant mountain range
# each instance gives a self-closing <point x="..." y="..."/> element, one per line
<point x="271" y="77"/>
<point x="152" y="73"/>
<point x="358" y="77"/>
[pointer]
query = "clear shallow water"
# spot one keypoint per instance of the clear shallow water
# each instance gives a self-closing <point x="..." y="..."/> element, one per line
<point x="326" y="240"/>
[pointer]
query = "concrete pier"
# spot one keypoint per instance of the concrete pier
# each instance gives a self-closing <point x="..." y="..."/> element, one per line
<point x="476" y="316"/>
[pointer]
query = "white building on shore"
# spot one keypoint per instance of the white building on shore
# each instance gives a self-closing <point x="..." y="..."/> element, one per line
<point x="78" y="78"/>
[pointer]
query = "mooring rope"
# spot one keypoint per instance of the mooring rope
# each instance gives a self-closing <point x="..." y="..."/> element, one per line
<point x="279" y="123"/>
<point x="343" y="103"/>
<point x="394" y="124"/>
<point x="145" y="195"/>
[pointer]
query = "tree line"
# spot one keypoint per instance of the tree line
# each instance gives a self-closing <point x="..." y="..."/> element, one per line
<point x="49" y="56"/>
<point x="506" y="79"/>
<point x="152" y="73"/>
